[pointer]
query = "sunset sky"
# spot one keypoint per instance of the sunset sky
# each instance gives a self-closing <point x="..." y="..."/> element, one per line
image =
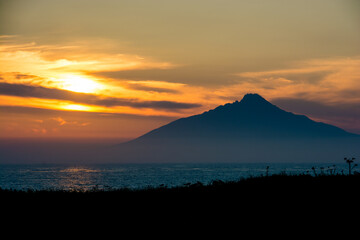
<point x="119" y="68"/>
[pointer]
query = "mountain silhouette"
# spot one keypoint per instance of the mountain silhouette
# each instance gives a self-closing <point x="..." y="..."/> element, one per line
<point x="249" y="130"/>
<point x="252" y="117"/>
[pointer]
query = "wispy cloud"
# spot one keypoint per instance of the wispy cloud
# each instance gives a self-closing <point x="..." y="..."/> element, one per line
<point x="325" y="80"/>
<point x="79" y="57"/>
<point x="55" y="66"/>
<point x="154" y="86"/>
<point x="53" y="125"/>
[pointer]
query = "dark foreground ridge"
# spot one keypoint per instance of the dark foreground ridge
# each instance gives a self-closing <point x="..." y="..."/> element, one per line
<point x="280" y="187"/>
<point x="254" y="200"/>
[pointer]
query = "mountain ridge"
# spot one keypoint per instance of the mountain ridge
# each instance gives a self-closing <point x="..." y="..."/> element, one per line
<point x="253" y="116"/>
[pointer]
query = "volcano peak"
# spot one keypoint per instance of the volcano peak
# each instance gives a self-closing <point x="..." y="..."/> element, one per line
<point x="253" y="98"/>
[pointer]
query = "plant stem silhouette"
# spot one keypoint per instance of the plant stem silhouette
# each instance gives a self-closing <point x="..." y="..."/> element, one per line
<point x="350" y="161"/>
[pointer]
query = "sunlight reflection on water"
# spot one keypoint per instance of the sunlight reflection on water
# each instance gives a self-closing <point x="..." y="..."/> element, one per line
<point x="74" y="178"/>
<point x="78" y="170"/>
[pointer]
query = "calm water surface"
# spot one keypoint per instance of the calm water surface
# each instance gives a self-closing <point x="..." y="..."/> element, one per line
<point x="85" y="177"/>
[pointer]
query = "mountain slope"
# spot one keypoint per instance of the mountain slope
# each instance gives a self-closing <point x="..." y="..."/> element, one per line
<point x="252" y="117"/>
<point x="251" y="130"/>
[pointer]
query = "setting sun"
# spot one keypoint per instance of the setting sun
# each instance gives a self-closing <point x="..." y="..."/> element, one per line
<point x="79" y="84"/>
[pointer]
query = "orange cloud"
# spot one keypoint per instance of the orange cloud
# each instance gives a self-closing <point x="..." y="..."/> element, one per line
<point x="59" y="120"/>
<point x="52" y="69"/>
<point x="55" y="66"/>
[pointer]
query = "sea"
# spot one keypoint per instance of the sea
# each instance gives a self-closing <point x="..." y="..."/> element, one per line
<point x="139" y="176"/>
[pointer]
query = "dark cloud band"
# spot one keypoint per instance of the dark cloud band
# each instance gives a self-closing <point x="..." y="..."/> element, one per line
<point x="21" y="90"/>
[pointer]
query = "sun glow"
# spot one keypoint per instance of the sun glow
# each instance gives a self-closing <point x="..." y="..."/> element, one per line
<point x="80" y="84"/>
<point x="77" y="107"/>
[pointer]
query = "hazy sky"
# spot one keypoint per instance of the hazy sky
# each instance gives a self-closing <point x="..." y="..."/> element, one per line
<point x="116" y="68"/>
